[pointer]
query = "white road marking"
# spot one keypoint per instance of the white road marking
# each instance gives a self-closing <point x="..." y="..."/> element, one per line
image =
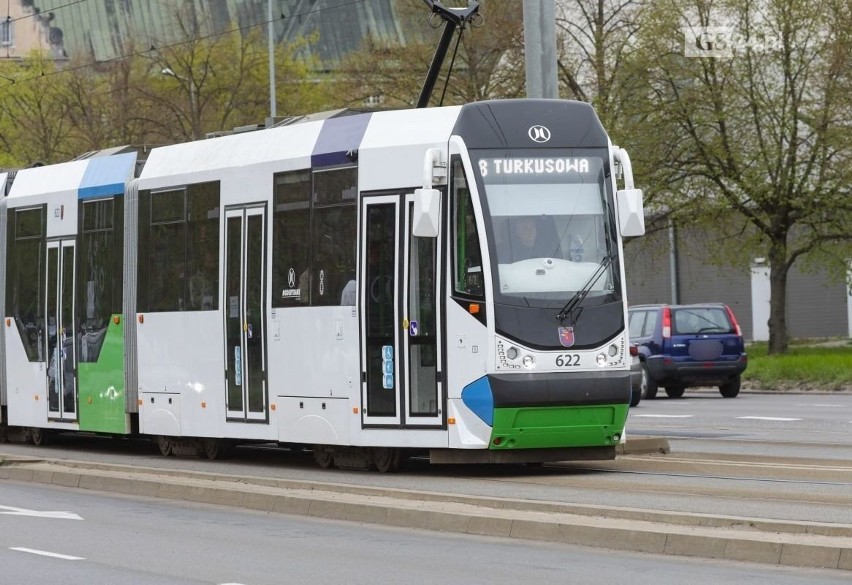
<point x="45" y="553"/>
<point x="663" y="415"/>
<point x="824" y="405"/>
<point x="770" y="418"/>
<point x="24" y="512"/>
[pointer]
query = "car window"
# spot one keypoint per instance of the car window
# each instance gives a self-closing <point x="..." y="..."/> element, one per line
<point x="650" y="323"/>
<point x="635" y="320"/>
<point x="694" y="320"/>
<point x="642" y="323"/>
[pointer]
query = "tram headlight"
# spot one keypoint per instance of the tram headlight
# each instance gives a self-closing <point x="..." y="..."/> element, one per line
<point x="529" y="362"/>
<point x="512" y="353"/>
<point x="601" y="359"/>
<point x="613" y="350"/>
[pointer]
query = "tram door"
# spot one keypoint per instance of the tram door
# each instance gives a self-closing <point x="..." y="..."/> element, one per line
<point x="400" y="364"/>
<point x="245" y="336"/>
<point x="61" y="337"/>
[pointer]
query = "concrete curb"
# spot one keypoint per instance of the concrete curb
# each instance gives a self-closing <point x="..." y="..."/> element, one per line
<point x="741" y="539"/>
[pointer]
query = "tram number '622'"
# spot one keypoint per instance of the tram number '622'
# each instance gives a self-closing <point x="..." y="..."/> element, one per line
<point x="567" y="360"/>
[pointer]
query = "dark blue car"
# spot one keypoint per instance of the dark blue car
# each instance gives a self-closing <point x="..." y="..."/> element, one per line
<point x="688" y="345"/>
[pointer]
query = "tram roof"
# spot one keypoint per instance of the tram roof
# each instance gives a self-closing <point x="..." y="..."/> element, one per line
<point x="310" y="144"/>
<point x="107" y="175"/>
<point x="92" y="177"/>
<point x="62" y="178"/>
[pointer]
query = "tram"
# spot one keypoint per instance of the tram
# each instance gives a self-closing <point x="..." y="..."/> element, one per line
<point x="447" y="282"/>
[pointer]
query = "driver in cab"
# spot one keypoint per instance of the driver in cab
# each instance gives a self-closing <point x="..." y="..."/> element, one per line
<point x="526" y="241"/>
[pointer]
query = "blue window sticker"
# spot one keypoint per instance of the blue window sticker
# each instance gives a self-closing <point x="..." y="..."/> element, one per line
<point x="413" y="329"/>
<point x="387" y="367"/>
<point x="387" y="353"/>
<point x="238" y="366"/>
<point x="387" y="382"/>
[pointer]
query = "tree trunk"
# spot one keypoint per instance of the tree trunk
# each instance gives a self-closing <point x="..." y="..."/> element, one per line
<point x="778" y="270"/>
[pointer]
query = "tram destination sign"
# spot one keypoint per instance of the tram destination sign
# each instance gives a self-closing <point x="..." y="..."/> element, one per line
<point x="535" y="169"/>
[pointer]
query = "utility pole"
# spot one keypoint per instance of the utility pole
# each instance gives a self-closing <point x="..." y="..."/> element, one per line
<point x="540" y="48"/>
<point x="194" y="113"/>
<point x="271" y="35"/>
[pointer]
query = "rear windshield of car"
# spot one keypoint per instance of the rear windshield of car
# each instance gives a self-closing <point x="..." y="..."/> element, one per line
<point x="693" y="320"/>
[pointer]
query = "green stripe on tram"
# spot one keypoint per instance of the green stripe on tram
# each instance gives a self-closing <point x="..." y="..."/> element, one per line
<point x="101" y="385"/>
<point x="558" y="426"/>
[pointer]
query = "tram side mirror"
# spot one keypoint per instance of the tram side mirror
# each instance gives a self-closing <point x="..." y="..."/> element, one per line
<point x="631" y="215"/>
<point x="427" y="213"/>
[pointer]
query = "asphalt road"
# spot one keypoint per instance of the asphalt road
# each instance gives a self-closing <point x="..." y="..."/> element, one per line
<point x="762" y="424"/>
<point x="103" y="539"/>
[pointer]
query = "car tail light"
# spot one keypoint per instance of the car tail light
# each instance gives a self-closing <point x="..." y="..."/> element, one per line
<point x="667" y="322"/>
<point x="634" y="349"/>
<point x="734" y="321"/>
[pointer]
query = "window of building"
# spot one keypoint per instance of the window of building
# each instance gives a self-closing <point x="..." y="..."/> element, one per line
<point x="179" y="249"/>
<point x="7" y="38"/>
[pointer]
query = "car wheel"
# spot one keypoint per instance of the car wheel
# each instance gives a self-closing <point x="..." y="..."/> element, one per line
<point x="675" y="391"/>
<point x="635" y="395"/>
<point x="649" y="386"/>
<point x="731" y="388"/>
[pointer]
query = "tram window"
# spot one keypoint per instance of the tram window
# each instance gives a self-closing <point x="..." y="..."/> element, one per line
<point x="314" y="237"/>
<point x="334" y="254"/>
<point x="333" y="221"/>
<point x="202" y="247"/>
<point x="179" y="249"/>
<point x="99" y="296"/>
<point x="167" y="249"/>
<point x="25" y="278"/>
<point x="290" y="236"/>
<point x="467" y="261"/>
<point x="336" y="186"/>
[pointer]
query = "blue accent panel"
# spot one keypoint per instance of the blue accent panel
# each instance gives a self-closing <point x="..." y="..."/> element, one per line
<point x="107" y="175"/>
<point x="477" y="397"/>
<point x="337" y="137"/>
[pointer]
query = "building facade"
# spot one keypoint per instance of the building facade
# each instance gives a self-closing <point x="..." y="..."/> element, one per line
<point x="678" y="267"/>
<point x="25" y="28"/>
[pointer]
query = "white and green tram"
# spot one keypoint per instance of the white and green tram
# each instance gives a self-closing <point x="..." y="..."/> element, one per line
<point x="363" y="284"/>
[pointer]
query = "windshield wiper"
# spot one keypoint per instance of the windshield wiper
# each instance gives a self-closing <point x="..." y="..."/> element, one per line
<point x="581" y="294"/>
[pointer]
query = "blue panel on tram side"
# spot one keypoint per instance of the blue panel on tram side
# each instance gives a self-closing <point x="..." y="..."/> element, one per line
<point x="107" y="175"/>
<point x="338" y="137"/>
<point x="478" y="398"/>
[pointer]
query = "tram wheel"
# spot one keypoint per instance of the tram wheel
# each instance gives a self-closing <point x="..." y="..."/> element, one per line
<point x="38" y="436"/>
<point x="165" y="445"/>
<point x="215" y="448"/>
<point x="324" y="456"/>
<point x="385" y="458"/>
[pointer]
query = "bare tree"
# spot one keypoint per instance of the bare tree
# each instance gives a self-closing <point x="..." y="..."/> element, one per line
<point x="33" y="121"/>
<point x="487" y="65"/>
<point x="598" y="37"/>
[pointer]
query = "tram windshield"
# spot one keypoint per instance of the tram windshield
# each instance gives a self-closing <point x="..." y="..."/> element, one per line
<point x="550" y="231"/>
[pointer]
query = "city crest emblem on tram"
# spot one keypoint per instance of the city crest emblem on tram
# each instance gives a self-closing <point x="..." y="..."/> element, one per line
<point x="566" y="336"/>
